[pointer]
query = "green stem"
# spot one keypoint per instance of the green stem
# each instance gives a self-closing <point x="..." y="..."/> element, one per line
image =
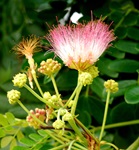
<point x="105" y="115"/>
<point x="107" y="143"/>
<point x="28" y="112"/>
<point x="73" y="108"/>
<point x="60" y="147"/>
<point x="36" y="82"/>
<point x="70" y="146"/>
<point x="135" y="145"/>
<point x="120" y="124"/>
<point x="77" y="131"/>
<point x="87" y="91"/>
<point x="56" y="89"/>
<point x="122" y="19"/>
<point x="86" y="130"/>
<point x="39" y="97"/>
<point x="53" y="135"/>
<point x="71" y="97"/>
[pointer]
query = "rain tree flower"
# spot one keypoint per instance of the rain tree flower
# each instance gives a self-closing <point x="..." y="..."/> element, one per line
<point x="27" y="46"/>
<point x="80" y="46"/>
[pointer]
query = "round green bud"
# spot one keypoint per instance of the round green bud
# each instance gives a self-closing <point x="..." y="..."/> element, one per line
<point x="70" y="103"/>
<point x="54" y="98"/>
<point x="19" y="80"/>
<point x="62" y="111"/>
<point x="58" y="124"/>
<point x="13" y="96"/>
<point x="67" y="116"/>
<point x="93" y="70"/>
<point x="85" y="78"/>
<point x="46" y="95"/>
<point x="111" y="85"/>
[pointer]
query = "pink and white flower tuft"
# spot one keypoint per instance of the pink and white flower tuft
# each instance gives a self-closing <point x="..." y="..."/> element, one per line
<point x="80" y="46"/>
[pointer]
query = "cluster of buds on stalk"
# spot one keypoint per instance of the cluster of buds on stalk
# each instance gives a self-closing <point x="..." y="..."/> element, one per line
<point x="13" y="96"/>
<point x="86" y="77"/>
<point x="49" y="67"/>
<point x="54" y="99"/>
<point x="111" y="86"/>
<point x="19" y="80"/>
<point x="38" y="113"/>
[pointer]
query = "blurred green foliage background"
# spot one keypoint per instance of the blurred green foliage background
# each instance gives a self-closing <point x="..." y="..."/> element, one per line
<point x="20" y="18"/>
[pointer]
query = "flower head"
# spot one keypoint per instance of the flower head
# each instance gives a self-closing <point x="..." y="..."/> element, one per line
<point x="81" y="45"/>
<point x="49" y="67"/>
<point x="111" y="85"/>
<point x="19" y="80"/>
<point x="13" y="96"/>
<point x="27" y="46"/>
<point x="38" y="113"/>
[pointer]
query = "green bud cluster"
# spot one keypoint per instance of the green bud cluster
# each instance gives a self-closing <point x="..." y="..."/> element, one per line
<point x="93" y="70"/>
<point x="51" y="98"/>
<point x="67" y="117"/>
<point x="19" y="80"/>
<point x="13" y="96"/>
<point x="111" y="85"/>
<point x="85" y="78"/>
<point x="49" y="67"/>
<point x="58" y="124"/>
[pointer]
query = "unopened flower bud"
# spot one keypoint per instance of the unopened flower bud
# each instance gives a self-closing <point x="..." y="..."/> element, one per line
<point x="38" y="113"/>
<point x="58" y="124"/>
<point x="54" y="98"/>
<point x="62" y="111"/>
<point x="70" y="103"/>
<point x="93" y="70"/>
<point x="49" y="67"/>
<point x="47" y="95"/>
<point x="19" y="80"/>
<point x="67" y="116"/>
<point x="13" y="96"/>
<point x="85" y="78"/>
<point x="111" y="85"/>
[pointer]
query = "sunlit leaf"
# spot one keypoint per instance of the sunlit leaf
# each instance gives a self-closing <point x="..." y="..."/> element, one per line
<point x="3" y="120"/>
<point x="13" y="144"/>
<point x="10" y="117"/>
<point x="2" y="132"/>
<point x="43" y="133"/>
<point x="20" y="135"/>
<point x="6" y="141"/>
<point x="27" y="141"/>
<point x="20" y="148"/>
<point x="35" y="137"/>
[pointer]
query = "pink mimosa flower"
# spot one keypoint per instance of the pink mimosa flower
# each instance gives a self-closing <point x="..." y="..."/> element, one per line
<point x="80" y="46"/>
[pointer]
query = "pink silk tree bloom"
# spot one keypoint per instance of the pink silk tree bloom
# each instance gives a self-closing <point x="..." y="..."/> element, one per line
<point x="80" y="46"/>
